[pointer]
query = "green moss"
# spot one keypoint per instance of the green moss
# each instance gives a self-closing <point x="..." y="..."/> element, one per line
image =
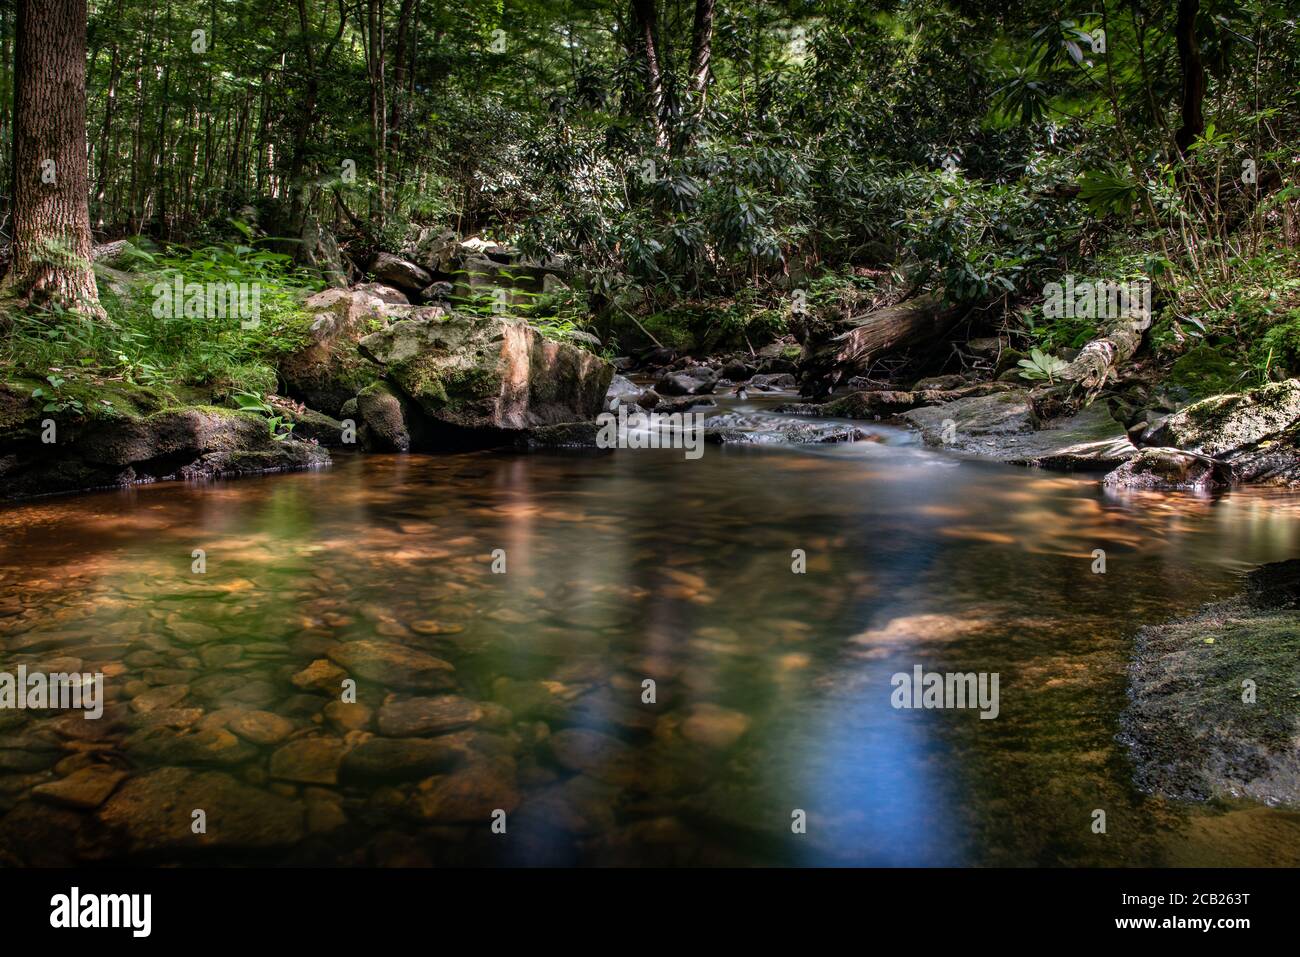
<point x="1279" y="346"/>
<point x="1205" y="371"/>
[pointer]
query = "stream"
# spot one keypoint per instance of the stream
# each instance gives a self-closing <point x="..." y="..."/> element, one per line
<point x="772" y="688"/>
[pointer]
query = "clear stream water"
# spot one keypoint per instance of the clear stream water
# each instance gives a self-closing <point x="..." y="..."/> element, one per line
<point x="772" y="688"/>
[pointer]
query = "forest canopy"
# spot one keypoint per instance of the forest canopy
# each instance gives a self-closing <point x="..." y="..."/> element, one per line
<point x="704" y="165"/>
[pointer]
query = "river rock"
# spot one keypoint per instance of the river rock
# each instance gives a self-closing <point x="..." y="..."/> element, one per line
<point x="420" y="716"/>
<point x="735" y="428"/>
<point x="774" y="381"/>
<point x="86" y="789"/>
<point x="348" y="716"/>
<point x="385" y="419"/>
<point x="469" y="795"/>
<point x="402" y="759"/>
<point x="318" y="249"/>
<point x="962" y="422"/>
<point x="699" y="380"/>
<point x="392" y="664"/>
<point x="592" y="753"/>
<point x="399" y="272"/>
<point x="166" y="697"/>
<point x="328" y="371"/>
<point x="1191" y="734"/>
<point x="308" y="761"/>
<point x="197" y="443"/>
<point x="166" y="745"/>
<point x="490" y="373"/>
<point x="714" y="726"/>
<point x="1254" y="437"/>
<point x="260" y="727"/>
<point x="154" y="813"/>
<point x="320" y="675"/>
<point x="622" y="391"/>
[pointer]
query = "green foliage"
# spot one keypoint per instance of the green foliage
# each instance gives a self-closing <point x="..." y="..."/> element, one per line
<point x="276" y="423"/>
<point x="1039" y="365"/>
<point x="141" y="343"/>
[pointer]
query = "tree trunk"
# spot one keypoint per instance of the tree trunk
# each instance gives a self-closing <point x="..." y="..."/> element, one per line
<point x="701" y="48"/>
<point x="1097" y="362"/>
<point x="51" y="229"/>
<point x="1189" y="59"/>
<point x="646" y="19"/>
<point x="912" y="322"/>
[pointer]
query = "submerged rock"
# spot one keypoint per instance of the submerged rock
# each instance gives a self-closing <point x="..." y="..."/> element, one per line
<point x="404" y="759"/>
<point x="87" y="788"/>
<point x="469" y="795"/>
<point x="1213" y="696"/>
<point x="308" y="761"/>
<point x="714" y="726"/>
<point x="417" y="716"/>
<point x="395" y="665"/>
<point x="154" y="813"/>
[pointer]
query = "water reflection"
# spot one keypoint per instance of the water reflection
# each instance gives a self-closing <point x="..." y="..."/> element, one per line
<point x="771" y="689"/>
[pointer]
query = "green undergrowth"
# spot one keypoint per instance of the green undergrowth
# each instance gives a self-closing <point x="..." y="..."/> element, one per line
<point x="148" y="353"/>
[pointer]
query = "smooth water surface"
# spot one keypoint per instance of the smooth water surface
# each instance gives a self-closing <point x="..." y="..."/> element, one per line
<point x="772" y="689"/>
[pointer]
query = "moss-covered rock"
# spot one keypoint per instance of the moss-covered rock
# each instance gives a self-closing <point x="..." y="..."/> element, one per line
<point x="1205" y="371"/>
<point x="329" y="370"/>
<point x="1253" y="437"/>
<point x="1214" y="696"/>
<point x="497" y="374"/>
<point x="63" y="451"/>
<point x="384" y="419"/>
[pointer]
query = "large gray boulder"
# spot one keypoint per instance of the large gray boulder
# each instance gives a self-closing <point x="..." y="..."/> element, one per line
<point x="489" y="373"/>
<point x="1250" y="437"/>
<point x="399" y="272"/>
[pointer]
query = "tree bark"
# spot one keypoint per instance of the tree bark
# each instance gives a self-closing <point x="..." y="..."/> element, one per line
<point x="51" y="229"/>
<point x="1096" y="363"/>
<point x="646" y="18"/>
<point x="701" y="48"/>
<point x="1189" y="59"/>
<point x="888" y="329"/>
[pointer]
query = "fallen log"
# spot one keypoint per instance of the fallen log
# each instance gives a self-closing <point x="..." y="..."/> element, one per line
<point x="855" y="342"/>
<point x="1097" y="362"/>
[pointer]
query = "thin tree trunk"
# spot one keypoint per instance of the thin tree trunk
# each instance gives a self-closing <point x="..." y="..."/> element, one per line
<point x="52" y="246"/>
<point x="701" y="48"/>
<point x="1189" y="59"/>
<point x="646" y="18"/>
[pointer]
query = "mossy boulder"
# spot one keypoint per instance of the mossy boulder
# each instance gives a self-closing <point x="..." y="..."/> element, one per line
<point x="1252" y="437"/>
<point x="497" y="374"/>
<point x="1205" y="371"/>
<point x="329" y="370"/>
<point x="62" y="452"/>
